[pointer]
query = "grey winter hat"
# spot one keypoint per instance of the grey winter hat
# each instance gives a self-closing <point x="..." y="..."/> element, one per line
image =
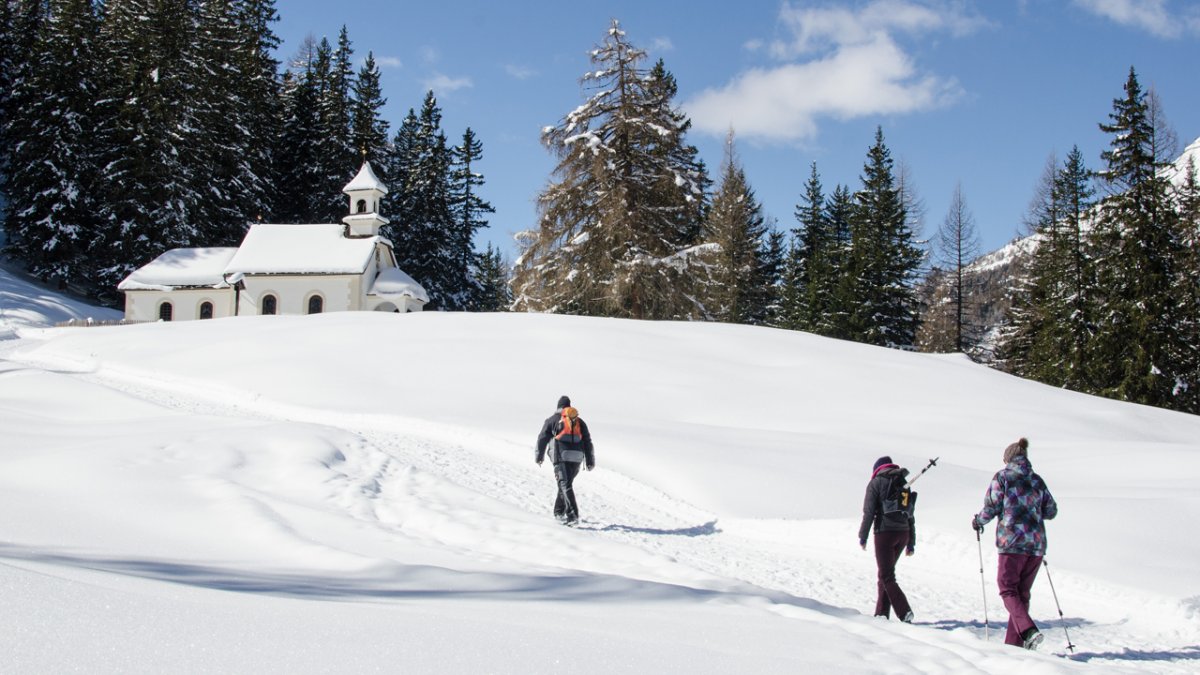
<point x="563" y="401"/>
<point x="1018" y="449"/>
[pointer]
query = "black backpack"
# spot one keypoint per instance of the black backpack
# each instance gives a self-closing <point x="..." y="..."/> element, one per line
<point x="899" y="500"/>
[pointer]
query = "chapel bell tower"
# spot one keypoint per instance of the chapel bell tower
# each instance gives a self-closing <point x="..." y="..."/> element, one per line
<point x="365" y="193"/>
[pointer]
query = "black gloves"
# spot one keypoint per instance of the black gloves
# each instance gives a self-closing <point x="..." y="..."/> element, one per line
<point x="976" y="525"/>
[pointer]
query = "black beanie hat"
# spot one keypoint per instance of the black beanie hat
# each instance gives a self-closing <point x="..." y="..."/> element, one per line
<point x="880" y="462"/>
<point x="563" y="401"/>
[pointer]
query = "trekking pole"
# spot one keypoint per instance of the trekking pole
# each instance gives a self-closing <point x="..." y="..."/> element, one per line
<point x="932" y="463"/>
<point x="1061" y="619"/>
<point x="983" y="587"/>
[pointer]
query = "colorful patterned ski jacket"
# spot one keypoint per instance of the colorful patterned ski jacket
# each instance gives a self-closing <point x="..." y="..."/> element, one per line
<point x="1021" y="500"/>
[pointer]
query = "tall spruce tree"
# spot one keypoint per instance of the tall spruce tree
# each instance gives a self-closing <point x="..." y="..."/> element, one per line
<point x="54" y="162"/>
<point x="1188" y="205"/>
<point x="297" y="153"/>
<point x="617" y="224"/>
<point x="337" y="159"/>
<point x="151" y="198"/>
<point x="368" y="129"/>
<point x="836" y="321"/>
<point x="259" y="88"/>
<point x="884" y="258"/>
<point x="493" y="276"/>
<point x="737" y="227"/>
<point x="1140" y="253"/>
<point x="424" y="227"/>
<point x="469" y="211"/>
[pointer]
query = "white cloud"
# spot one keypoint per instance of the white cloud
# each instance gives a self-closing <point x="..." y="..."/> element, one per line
<point x="443" y="84"/>
<point x="662" y="44"/>
<point x="519" y="72"/>
<point x="388" y="62"/>
<point x="817" y="28"/>
<point x="839" y="63"/>
<point x="784" y="103"/>
<point x="1152" y="16"/>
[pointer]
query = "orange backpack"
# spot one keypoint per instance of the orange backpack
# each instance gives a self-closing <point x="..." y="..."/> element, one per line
<point x="571" y="427"/>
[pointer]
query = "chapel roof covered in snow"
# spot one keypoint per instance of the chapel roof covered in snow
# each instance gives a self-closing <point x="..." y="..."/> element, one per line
<point x="302" y="249"/>
<point x="181" y="268"/>
<point x="392" y="281"/>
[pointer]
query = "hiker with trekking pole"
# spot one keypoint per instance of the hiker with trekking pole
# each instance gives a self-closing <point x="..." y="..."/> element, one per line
<point x="888" y="510"/>
<point x="1020" y="501"/>
<point x="566" y="436"/>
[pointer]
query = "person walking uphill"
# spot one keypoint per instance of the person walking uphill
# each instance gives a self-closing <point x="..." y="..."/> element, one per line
<point x="1020" y="500"/>
<point x="895" y="531"/>
<point x="570" y="444"/>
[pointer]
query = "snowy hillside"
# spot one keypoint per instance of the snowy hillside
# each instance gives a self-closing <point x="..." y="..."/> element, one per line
<point x="356" y="492"/>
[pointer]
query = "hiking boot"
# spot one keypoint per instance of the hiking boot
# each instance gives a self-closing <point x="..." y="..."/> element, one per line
<point x="908" y="617"/>
<point x="1031" y="639"/>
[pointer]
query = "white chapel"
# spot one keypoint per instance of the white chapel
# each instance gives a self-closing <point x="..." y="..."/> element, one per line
<point x="282" y="269"/>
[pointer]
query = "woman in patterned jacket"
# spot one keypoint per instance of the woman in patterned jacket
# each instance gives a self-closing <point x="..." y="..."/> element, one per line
<point x="1020" y="500"/>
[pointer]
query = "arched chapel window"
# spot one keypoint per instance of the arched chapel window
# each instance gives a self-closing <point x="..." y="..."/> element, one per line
<point x="206" y="310"/>
<point x="269" y="304"/>
<point x="362" y="206"/>
<point x="165" y="311"/>
<point x="315" y="304"/>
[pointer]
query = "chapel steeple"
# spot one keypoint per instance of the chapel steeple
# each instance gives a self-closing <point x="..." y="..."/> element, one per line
<point x="365" y="193"/>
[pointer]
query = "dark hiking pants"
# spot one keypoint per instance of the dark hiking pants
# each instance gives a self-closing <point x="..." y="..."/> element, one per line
<point x="565" y="506"/>
<point x="888" y="548"/>
<point x="1014" y="575"/>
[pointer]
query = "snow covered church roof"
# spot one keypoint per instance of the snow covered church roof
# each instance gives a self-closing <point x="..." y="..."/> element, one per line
<point x="302" y="249"/>
<point x="393" y="281"/>
<point x="181" y="268"/>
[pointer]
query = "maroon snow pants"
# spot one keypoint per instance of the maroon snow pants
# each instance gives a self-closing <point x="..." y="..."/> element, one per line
<point x="1014" y="575"/>
<point x="888" y="548"/>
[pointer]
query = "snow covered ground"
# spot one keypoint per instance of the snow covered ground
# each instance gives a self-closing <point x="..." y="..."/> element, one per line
<point x="357" y="492"/>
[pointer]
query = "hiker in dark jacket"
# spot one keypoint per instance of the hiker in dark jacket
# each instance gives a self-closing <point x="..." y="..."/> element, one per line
<point x="1020" y="500"/>
<point x="570" y="444"/>
<point x="895" y="531"/>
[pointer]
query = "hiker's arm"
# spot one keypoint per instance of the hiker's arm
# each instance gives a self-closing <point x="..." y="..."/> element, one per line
<point x="587" y="444"/>
<point x="543" y="439"/>
<point x="993" y="502"/>
<point x="868" y="514"/>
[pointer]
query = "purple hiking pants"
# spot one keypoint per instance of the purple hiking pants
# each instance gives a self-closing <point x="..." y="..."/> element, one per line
<point x="1014" y="576"/>
<point x="888" y="547"/>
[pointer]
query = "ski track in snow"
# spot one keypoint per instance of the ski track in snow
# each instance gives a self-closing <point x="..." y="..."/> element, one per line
<point x="788" y="564"/>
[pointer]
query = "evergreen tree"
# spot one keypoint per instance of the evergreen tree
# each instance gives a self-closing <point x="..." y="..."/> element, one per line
<point x="1188" y="205"/>
<point x="296" y="156"/>
<point x="469" y="211"/>
<point x="812" y="280"/>
<point x="736" y="226"/>
<point x="152" y="200"/>
<point x="771" y="265"/>
<point x="493" y="277"/>
<point x="259" y="88"/>
<point x="617" y="224"/>
<point x="426" y="244"/>
<point x="1140" y="250"/>
<point x="337" y="159"/>
<point x="368" y="129"/>
<point x="884" y="259"/>
<point x="837" y="319"/>
<point x="53" y="162"/>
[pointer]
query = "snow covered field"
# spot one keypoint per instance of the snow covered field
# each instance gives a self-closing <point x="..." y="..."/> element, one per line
<point x="357" y="492"/>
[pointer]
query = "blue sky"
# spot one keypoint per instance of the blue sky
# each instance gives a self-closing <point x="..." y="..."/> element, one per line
<point x="972" y="93"/>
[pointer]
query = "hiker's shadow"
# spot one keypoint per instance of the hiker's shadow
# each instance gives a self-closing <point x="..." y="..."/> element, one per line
<point x="707" y="529"/>
<point x="1002" y="624"/>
